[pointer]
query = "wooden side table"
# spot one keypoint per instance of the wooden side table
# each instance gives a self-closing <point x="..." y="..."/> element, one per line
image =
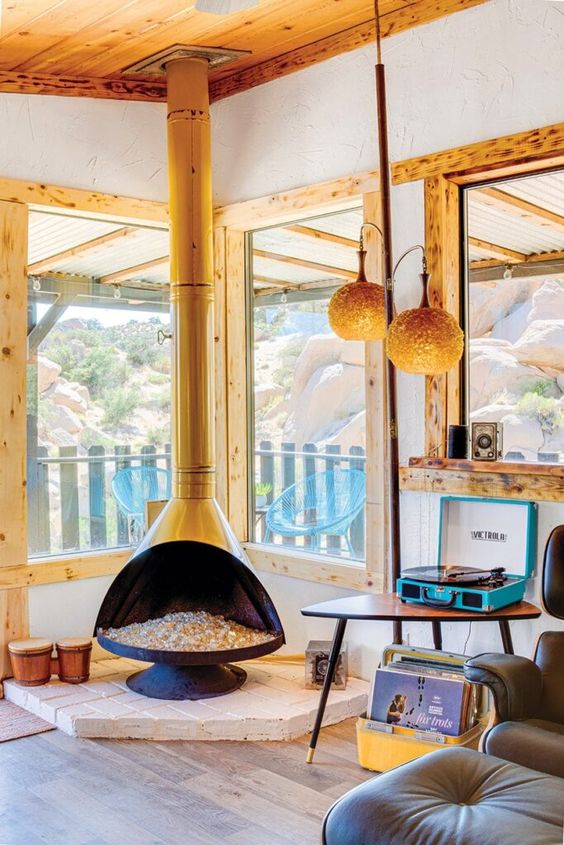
<point x="386" y="607"/>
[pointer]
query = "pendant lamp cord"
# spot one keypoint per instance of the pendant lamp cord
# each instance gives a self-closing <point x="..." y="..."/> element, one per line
<point x="378" y="32"/>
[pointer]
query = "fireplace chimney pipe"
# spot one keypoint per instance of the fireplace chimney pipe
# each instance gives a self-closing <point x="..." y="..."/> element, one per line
<point x="191" y="279"/>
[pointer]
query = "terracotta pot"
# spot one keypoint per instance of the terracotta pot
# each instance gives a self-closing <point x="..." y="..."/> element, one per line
<point x="31" y="661"/>
<point x="73" y="654"/>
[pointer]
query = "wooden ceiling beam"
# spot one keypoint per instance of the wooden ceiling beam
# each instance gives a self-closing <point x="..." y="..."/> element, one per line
<point x="133" y="272"/>
<point x="14" y="82"/>
<point x="503" y="252"/>
<point x="79" y="250"/>
<point x="329" y="237"/>
<point x="533" y="258"/>
<point x="498" y="199"/>
<point x="303" y="262"/>
<point x="268" y="280"/>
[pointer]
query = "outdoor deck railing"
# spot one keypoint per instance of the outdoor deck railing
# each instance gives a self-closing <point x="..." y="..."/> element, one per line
<point x="71" y="507"/>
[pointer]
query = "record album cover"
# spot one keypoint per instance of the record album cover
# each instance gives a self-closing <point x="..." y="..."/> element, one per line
<point x="423" y="702"/>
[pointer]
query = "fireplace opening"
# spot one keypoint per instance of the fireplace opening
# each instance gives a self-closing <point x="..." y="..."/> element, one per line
<point x="190" y="608"/>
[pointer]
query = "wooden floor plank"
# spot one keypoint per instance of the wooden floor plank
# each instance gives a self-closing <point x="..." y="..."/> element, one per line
<point x="62" y="790"/>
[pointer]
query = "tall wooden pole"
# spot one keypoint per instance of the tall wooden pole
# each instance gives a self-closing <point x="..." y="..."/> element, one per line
<point x="391" y="404"/>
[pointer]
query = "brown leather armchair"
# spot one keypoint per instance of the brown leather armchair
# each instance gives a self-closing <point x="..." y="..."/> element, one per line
<point x="528" y="718"/>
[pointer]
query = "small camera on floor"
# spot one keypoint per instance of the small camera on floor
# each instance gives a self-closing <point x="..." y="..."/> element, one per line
<point x="486" y="441"/>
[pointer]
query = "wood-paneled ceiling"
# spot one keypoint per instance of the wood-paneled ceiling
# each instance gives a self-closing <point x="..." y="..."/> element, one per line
<point x="80" y="47"/>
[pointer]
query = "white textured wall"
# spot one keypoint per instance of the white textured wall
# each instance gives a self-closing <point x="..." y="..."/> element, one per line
<point x="485" y="72"/>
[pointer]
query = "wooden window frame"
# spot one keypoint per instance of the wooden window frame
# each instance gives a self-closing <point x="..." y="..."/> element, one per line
<point x="232" y="225"/>
<point x="445" y="174"/>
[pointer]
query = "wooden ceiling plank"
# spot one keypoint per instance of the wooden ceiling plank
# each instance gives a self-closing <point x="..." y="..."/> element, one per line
<point x="497" y="250"/>
<point x="131" y="272"/>
<point x="303" y="262"/>
<point x="22" y="50"/>
<point x="319" y="234"/>
<point x="102" y="53"/>
<point x="80" y="250"/>
<point x="498" y="199"/>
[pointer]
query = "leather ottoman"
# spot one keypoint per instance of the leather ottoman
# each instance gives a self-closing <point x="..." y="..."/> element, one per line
<point x="452" y="797"/>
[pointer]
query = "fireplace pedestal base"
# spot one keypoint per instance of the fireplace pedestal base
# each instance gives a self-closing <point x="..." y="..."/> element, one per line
<point x="181" y="683"/>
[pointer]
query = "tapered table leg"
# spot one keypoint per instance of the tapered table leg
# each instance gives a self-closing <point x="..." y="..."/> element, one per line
<point x="437" y="636"/>
<point x="332" y="665"/>
<point x="505" y="632"/>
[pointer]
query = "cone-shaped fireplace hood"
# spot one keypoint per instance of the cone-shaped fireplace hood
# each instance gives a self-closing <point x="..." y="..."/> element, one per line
<point x="190" y="559"/>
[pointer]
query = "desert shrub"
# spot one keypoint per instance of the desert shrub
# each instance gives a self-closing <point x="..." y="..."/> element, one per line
<point x="118" y="404"/>
<point x="540" y="387"/>
<point x="100" y="370"/>
<point x="544" y="409"/>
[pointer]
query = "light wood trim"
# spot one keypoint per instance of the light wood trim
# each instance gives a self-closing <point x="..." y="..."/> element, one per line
<point x="14" y="82"/>
<point x="520" y="153"/>
<point x="133" y="272"/>
<point x="13" y="446"/>
<point x="499" y="199"/>
<point x="276" y="283"/>
<point x="399" y="20"/>
<point x="473" y="478"/>
<point x="303" y="262"/>
<point x="308" y="567"/>
<point x="81" y="249"/>
<point x="442" y="392"/>
<point x="502" y="252"/>
<point x="220" y="355"/>
<point x="71" y="568"/>
<point x="376" y="521"/>
<point x="335" y="195"/>
<point x="92" y="203"/>
<point x="318" y="234"/>
<point x="236" y="363"/>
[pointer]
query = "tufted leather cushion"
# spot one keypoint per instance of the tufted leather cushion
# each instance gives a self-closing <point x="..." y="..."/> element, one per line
<point x="451" y="797"/>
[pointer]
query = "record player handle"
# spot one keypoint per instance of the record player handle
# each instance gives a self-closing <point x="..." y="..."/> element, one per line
<point x="437" y="602"/>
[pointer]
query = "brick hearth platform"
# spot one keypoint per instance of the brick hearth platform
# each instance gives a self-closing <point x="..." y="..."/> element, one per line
<point x="273" y="704"/>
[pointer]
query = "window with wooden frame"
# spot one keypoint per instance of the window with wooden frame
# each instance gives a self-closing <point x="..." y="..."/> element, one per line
<point x="245" y="250"/>
<point x="447" y="175"/>
<point x="17" y="201"/>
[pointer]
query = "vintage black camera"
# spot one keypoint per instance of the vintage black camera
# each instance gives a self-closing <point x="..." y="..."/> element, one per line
<point x="486" y="441"/>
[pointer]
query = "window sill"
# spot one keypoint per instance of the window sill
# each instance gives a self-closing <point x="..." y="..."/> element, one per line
<point x="70" y="567"/>
<point x="495" y="479"/>
<point x="319" y="568"/>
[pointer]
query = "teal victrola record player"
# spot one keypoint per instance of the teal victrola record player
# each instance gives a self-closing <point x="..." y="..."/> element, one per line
<point x="486" y="554"/>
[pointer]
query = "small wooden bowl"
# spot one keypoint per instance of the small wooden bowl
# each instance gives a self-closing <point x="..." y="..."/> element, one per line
<point x="73" y="655"/>
<point x="31" y="661"/>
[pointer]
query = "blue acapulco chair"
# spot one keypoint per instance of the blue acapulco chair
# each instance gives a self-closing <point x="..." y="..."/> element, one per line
<point x="133" y="486"/>
<point x="324" y="503"/>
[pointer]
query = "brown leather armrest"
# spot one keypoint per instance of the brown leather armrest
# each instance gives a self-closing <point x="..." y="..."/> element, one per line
<point x="515" y="682"/>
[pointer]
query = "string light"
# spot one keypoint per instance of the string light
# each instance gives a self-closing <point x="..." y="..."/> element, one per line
<point x="117" y="292"/>
<point x="508" y="272"/>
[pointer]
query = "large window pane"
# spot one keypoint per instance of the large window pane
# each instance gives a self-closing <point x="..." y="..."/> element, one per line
<point x="98" y="380"/>
<point x="515" y="247"/>
<point x="308" y="396"/>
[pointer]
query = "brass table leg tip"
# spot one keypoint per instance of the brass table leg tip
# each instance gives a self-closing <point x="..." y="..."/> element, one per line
<point x="310" y="753"/>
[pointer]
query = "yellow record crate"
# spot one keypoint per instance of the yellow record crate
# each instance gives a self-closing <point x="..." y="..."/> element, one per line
<point x="382" y="747"/>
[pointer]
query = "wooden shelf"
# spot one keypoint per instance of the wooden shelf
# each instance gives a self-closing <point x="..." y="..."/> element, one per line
<point x="499" y="479"/>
